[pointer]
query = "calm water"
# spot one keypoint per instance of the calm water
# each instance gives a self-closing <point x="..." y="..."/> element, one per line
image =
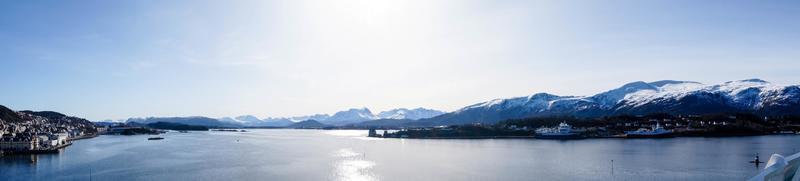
<point x="348" y="155"/>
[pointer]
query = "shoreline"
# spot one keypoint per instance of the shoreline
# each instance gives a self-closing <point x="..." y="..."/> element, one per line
<point x="584" y="138"/>
<point x="45" y="151"/>
<point x="54" y="150"/>
<point x="83" y="137"/>
<point x="471" y="137"/>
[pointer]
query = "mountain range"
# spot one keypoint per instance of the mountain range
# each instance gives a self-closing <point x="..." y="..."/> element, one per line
<point x="341" y="118"/>
<point x="638" y="98"/>
<point x="194" y="120"/>
<point x="346" y="117"/>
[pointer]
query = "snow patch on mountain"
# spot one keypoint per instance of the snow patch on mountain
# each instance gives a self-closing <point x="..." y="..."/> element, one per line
<point x="310" y="117"/>
<point x="351" y="115"/>
<point x="537" y="101"/>
<point x="744" y="94"/>
<point x="250" y="120"/>
<point x="354" y="115"/>
<point x="610" y="98"/>
<point x="413" y="114"/>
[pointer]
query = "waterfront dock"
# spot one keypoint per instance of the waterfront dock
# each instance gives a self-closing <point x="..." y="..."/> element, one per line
<point x="82" y="137"/>
<point x="56" y="149"/>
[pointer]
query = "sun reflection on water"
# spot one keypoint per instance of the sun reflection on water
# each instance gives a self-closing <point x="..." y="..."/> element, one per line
<point x="352" y="166"/>
<point x="347" y="133"/>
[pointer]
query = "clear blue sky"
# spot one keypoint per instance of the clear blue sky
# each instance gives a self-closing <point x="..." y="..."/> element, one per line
<point x="119" y="59"/>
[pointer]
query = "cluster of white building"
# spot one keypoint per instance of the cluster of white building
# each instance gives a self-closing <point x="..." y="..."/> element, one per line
<point x="29" y="141"/>
<point x="35" y="135"/>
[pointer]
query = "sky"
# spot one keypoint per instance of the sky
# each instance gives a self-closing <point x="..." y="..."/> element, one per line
<point x="139" y="58"/>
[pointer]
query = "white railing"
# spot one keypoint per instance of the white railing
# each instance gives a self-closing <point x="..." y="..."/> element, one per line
<point x="780" y="168"/>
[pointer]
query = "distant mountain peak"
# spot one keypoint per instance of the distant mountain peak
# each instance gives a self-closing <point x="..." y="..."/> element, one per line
<point x="542" y="95"/>
<point x="345" y="117"/>
<point x="359" y="109"/>
<point x="248" y="117"/>
<point x="662" y="83"/>
<point x="635" y="86"/>
<point x="412" y="114"/>
<point x="614" y="96"/>
<point x="190" y="120"/>
<point x="754" y="80"/>
<point x="351" y="115"/>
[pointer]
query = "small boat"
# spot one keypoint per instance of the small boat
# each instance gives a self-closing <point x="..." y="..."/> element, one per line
<point x="655" y="132"/>
<point x="155" y="138"/>
<point x="563" y="131"/>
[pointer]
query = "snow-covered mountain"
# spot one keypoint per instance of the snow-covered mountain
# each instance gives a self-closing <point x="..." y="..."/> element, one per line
<point x="350" y="116"/>
<point x="676" y="97"/>
<point x="192" y="120"/>
<point x="249" y="120"/>
<point x="340" y="118"/>
<point x="310" y="117"/>
<point x="412" y="114"/>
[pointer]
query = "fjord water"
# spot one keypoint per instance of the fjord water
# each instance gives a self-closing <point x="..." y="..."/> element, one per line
<point x="349" y="155"/>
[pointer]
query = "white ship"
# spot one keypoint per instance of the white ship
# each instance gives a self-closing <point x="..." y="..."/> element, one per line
<point x="563" y="131"/>
<point x="655" y="132"/>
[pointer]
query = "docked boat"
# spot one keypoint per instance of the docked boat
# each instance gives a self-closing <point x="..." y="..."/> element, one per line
<point x="655" y="132"/>
<point x="155" y="138"/>
<point x="563" y="131"/>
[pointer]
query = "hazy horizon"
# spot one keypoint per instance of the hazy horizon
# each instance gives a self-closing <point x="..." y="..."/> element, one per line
<point x="114" y="60"/>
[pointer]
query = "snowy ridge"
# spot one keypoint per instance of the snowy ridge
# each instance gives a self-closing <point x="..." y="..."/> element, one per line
<point x="249" y="120"/>
<point x="413" y="114"/>
<point x="681" y="97"/>
<point x="349" y="116"/>
<point x="745" y="94"/>
<point x="534" y="102"/>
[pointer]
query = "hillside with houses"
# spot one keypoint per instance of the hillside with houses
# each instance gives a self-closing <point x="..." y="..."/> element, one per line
<point x="45" y="131"/>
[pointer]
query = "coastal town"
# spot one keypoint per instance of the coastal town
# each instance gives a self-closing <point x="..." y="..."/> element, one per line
<point x="40" y="132"/>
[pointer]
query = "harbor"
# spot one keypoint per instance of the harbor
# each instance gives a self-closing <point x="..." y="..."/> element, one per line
<point x="623" y="126"/>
